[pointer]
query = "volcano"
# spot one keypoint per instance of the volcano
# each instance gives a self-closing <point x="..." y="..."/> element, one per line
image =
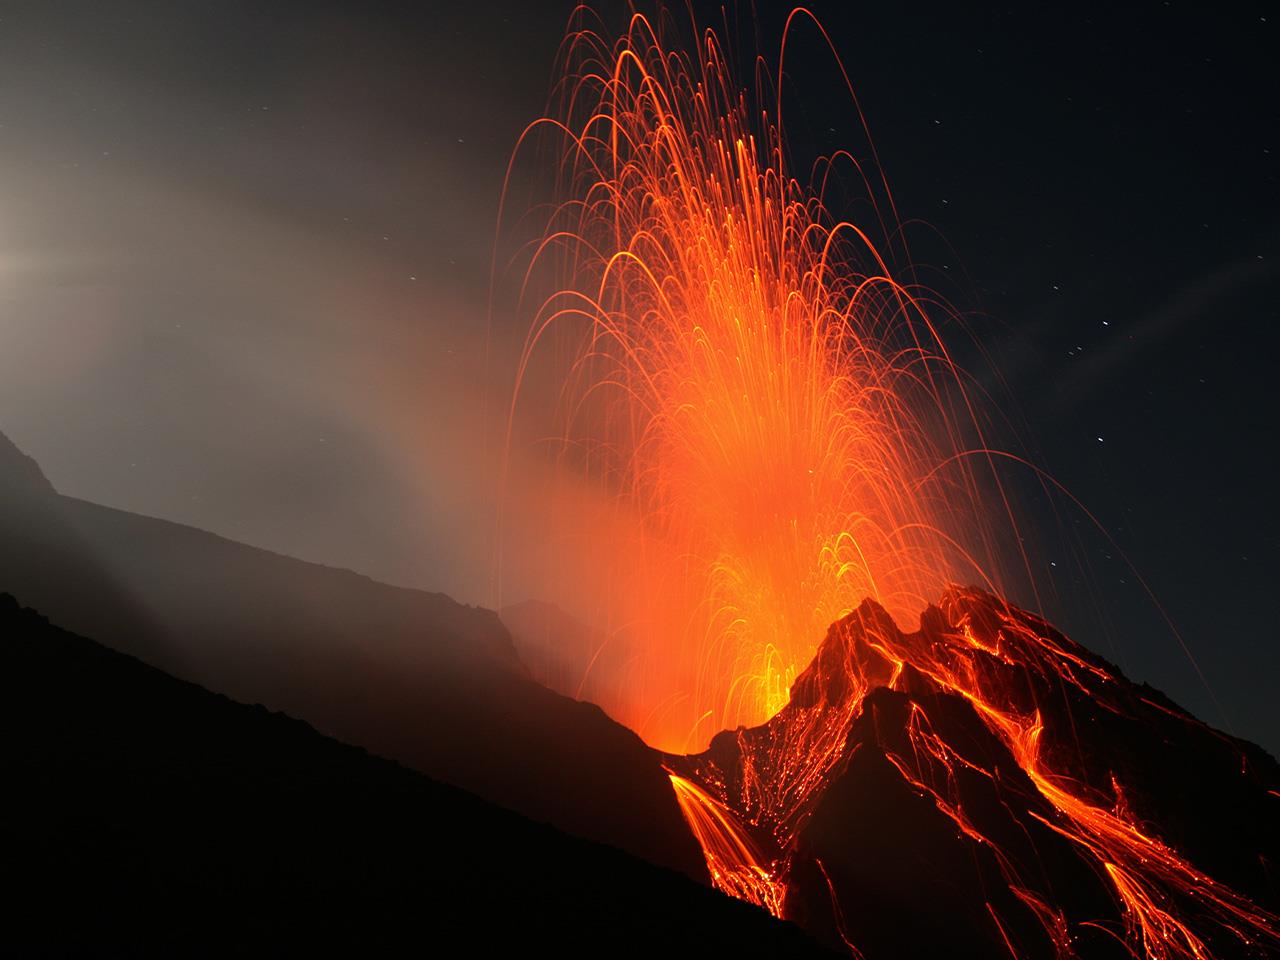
<point x="984" y="786"/>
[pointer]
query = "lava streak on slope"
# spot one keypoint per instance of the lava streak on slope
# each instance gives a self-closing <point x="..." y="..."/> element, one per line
<point x="734" y="861"/>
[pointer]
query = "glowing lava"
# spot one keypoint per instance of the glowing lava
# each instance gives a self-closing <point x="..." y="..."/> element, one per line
<point x="770" y="413"/>
<point x="736" y="865"/>
<point x="1026" y="685"/>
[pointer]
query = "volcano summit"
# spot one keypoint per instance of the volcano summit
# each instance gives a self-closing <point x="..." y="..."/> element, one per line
<point x="985" y="786"/>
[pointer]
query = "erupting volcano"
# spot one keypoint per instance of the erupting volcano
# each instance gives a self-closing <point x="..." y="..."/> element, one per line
<point x="770" y="411"/>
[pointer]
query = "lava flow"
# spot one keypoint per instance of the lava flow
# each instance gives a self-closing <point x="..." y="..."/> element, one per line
<point x="784" y="442"/>
<point x="1014" y="734"/>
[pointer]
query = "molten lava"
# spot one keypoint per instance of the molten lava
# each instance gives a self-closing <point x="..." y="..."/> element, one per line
<point x="774" y="419"/>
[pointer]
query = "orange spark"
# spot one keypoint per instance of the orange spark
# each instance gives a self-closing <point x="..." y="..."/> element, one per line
<point x="758" y="397"/>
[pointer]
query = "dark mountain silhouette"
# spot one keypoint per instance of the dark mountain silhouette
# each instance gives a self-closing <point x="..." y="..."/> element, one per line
<point x="409" y="675"/>
<point x="994" y="787"/>
<point x="147" y="816"/>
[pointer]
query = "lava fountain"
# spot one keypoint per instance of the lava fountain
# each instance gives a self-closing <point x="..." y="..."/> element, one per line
<point x="771" y="414"/>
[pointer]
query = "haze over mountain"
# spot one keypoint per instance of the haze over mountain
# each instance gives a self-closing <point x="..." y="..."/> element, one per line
<point x="409" y="675"/>
<point x="564" y="654"/>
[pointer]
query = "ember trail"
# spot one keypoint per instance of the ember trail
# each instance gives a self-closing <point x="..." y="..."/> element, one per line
<point x="773" y="413"/>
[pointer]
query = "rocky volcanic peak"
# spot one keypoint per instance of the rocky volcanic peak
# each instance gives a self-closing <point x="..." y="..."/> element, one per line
<point x="851" y="654"/>
<point x="985" y="785"/>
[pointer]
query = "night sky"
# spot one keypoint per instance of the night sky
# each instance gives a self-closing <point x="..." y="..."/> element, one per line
<point x="245" y="251"/>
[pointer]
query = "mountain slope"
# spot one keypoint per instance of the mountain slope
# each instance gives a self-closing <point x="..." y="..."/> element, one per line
<point x="149" y="816"/>
<point x="410" y="675"/>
